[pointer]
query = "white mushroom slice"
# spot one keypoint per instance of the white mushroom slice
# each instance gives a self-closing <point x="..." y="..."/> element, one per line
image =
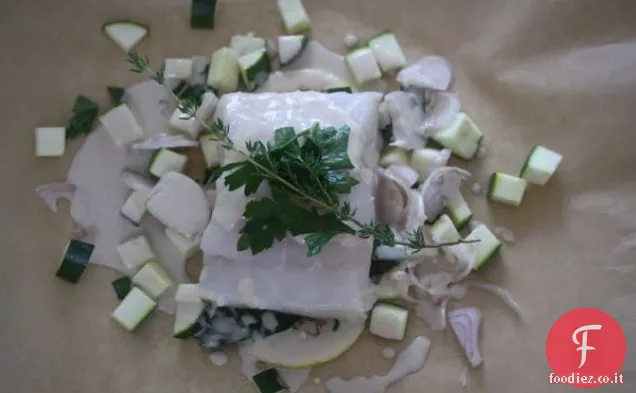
<point x="407" y="119"/>
<point x="179" y="203"/>
<point x="429" y="72"/>
<point x="440" y="188"/>
<point x="404" y="172"/>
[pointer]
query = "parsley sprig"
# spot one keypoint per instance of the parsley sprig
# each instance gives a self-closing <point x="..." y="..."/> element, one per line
<point x="306" y="182"/>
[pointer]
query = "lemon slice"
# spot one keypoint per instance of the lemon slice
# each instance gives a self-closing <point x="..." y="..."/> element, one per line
<point x="293" y="349"/>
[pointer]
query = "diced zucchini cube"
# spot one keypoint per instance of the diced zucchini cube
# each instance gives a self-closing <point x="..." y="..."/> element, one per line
<point x="255" y="68"/>
<point x="388" y="321"/>
<point x="488" y="246"/>
<point x="186" y="247"/>
<point x="295" y="17"/>
<point x="443" y="230"/>
<point x="459" y="212"/>
<point x="212" y="150"/>
<point x="134" y="207"/>
<point x="166" y="161"/>
<point x="177" y="69"/>
<point x="202" y="14"/>
<point x="425" y="160"/>
<point x="188" y="293"/>
<point x="363" y="66"/>
<point x="191" y="125"/>
<point x="134" y="309"/>
<point x="121" y="125"/>
<point x="224" y="71"/>
<point x="122" y="286"/>
<point x="506" y="188"/>
<point x="244" y="44"/>
<point x="387" y="51"/>
<point x="135" y="253"/>
<point x="540" y="165"/>
<point x="463" y="137"/>
<point x="393" y="155"/>
<point x="153" y="279"/>
<point x="50" y="141"/>
<point x="76" y="256"/>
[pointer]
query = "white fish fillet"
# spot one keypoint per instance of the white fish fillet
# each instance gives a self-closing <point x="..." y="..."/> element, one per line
<point x="333" y="284"/>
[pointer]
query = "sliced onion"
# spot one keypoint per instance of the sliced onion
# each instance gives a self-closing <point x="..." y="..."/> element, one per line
<point x="429" y="72"/>
<point x="465" y="322"/>
<point x="440" y="188"/>
<point x="165" y="141"/>
<point x="50" y="193"/>
<point x="404" y="172"/>
<point x="407" y="117"/>
<point x="440" y="112"/>
<point x="392" y="199"/>
<point x="502" y="293"/>
<point x="415" y="215"/>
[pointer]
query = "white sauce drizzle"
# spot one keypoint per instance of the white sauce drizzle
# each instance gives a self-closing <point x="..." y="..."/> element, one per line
<point x="219" y="358"/>
<point x="408" y="362"/>
<point x="388" y="353"/>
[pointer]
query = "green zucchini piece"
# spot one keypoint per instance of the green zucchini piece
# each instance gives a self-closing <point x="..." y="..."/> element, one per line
<point x="387" y="51"/>
<point x="388" y="321"/>
<point x="463" y="137"/>
<point x="540" y="165"/>
<point x="244" y="44"/>
<point x="343" y="89"/>
<point x="202" y="14"/>
<point x="290" y="47"/>
<point x="488" y="247"/>
<point x="126" y="34"/>
<point x="506" y="189"/>
<point x="77" y="255"/>
<point x="269" y="381"/>
<point x="116" y="93"/>
<point x="295" y="18"/>
<point x="135" y="252"/>
<point x="153" y="279"/>
<point x="459" y="212"/>
<point x="167" y="161"/>
<point x="50" y="141"/>
<point x="224" y="71"/>
<point x="255" y="69"/>
<point x="189" y="309"/>
<point x="122" y="287"/>
<point x="134" y="309"/>
<point x="363" y="65"/>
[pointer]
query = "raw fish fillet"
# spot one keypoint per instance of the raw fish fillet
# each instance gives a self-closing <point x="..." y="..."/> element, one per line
<point x="333" y="284"/>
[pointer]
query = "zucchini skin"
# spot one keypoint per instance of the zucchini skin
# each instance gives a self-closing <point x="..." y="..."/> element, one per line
<point x="524" y="167"/>
<point x="203" y="14"/>
<point x="76" y="256"/>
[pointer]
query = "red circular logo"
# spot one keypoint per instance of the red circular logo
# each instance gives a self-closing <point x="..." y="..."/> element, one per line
<point x="586" y="348"/>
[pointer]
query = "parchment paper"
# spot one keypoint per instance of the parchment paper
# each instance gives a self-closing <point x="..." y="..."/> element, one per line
<point x="561" y="73"/>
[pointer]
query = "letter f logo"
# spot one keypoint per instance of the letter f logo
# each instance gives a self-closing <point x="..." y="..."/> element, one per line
<point x="583" y="344"/>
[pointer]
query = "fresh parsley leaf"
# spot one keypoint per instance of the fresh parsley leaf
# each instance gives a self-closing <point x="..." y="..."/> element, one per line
<point x="116" y="93"/>
<point x="333" y="144"/>
<point x="84" y="114"/>
<point x="270" y="219"/>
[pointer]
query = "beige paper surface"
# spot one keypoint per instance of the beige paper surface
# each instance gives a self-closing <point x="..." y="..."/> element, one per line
<point x="561" y="73"/>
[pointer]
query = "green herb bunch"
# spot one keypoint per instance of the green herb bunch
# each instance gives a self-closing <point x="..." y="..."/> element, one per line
<point x="306" y="181"/>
